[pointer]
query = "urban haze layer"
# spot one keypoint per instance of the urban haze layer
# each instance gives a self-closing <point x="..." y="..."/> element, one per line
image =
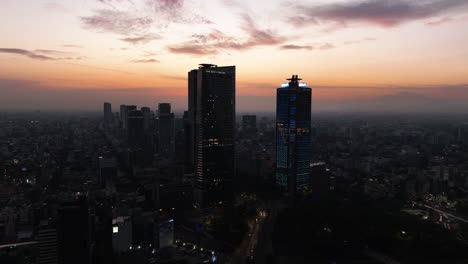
<point x="233" y="131"/>
<point x="147" y="185"/>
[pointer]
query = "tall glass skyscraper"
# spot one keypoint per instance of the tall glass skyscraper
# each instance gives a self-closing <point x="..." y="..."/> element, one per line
<point x="212" y="95"/>
<point x="293" y="142"/>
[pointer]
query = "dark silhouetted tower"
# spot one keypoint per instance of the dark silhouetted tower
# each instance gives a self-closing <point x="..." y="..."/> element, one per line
<point x="136" y="138"/>
<point x="136" y="131"/>
<point x="108" y="116"/>
<point x="190" y="127"/>
<point x="166" y="131"/>
<point x="48" y="244"/>
<point x="74" y="232"/>
<point x="124" y="113"/>
<point x="146" y="111"/>
<point x="108" y="173"/>
<point x="293" y="142"/>
<point x="213" y="105"/>
<point x="164" y="108"/>
<point x="188" y="144"/>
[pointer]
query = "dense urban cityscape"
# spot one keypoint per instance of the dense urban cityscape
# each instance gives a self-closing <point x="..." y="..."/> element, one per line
<point x="147" y="185"/>
<point x="233" y="132"/>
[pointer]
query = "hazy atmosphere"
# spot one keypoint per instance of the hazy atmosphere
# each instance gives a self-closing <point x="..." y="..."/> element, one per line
<point x="233" y="131"/>
<point x="355" y="55"/>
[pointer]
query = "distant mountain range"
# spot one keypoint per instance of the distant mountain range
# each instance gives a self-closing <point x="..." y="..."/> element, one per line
<point x="400" y="102"/>
<point x="411" y="102"/>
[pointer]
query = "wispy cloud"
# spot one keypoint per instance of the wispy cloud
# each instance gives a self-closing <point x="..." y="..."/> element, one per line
<point x="441" y="21"/>
<point x="351" y="42"/>
<point x="167" y="6"/>
<point x="149" y="53"/>
<point x="297" y="47"/>
<point x="175" y="11"/>
<point x="194" y="49"/>
<point x="139" y="18"/>
<point x="27" y="53"/>
<point x="57" y="7"/>
<point x="53" y="52"/>
<point x="142" y="39"/>
<point x="145" y="61"/>
<point x="258" y="36"/>
<point x="326" y="46"/>
<point x="97" y="68"/>
<point x="216" y="40"/>
<point x="43" y="54"/>
<point x="323" y="46"/>
<point x="74" y="58"/>
<point x="384" y="13"/>
<point x="71" y="46"/>
<point x="119" y="22"/>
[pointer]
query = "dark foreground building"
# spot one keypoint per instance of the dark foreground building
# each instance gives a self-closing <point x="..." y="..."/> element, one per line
<point x="212" y="120"/>
<point x="74" y="232"/>
<point x="108" y="116"/>
<point x="293" y="120"/>
<point x="166" y="131"/>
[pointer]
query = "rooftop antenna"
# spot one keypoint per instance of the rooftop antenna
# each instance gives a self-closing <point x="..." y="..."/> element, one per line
<point x="207" y="65"/>
<point x="294" y="78"/>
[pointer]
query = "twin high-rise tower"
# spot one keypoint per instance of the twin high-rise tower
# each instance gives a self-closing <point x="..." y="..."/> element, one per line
<point x="212" y="124"/>
<point x="211" y="133"/>
<point x="210" y="128"/>
<point x="293" y="141"/>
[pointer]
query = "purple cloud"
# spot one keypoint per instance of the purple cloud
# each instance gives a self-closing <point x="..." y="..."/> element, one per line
<point x="324" y="46"/>
<point x="168" y="4"/>
<point x="56" y="7"/>
<point x="27" y="53"/>
<point x="149" y="54"/>
<point x="43" y="54"/>
<point x="384" y="13"/>
<point x="143" y="39"/>
<point x="175" y="11"/>
<point x="441" y="21"/>
<point x="259" y="36"/>
<point x="192" y="49"/>
<point x="71" y="46"/>
<point x="119" y="22"/>
<point x="297" y="47"/>
<point x="53" y="52"/>
<point x="145" y="61"/>
<point x="74" y="58"/>
<point x="136" y="20"/>
<point x="213" y="42"/>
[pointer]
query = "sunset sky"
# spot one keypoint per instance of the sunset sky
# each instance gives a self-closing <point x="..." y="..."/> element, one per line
<point x="76" y="54"/>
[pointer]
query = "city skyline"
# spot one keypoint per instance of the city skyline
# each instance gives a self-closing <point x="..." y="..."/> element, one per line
<point x="357" y="55"/>
<point x="233" y="131"/>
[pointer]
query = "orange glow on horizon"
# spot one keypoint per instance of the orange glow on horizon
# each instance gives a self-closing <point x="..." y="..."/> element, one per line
<point x="102" y="47"/>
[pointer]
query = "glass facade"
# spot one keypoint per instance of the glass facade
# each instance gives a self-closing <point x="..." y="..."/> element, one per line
<point x="293" y="141"/>
<point x="214" y="130"/>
